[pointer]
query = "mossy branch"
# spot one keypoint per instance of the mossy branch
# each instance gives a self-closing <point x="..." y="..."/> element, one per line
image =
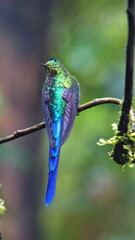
<point x="121" y="152"/>
<point x="124" y="139"/>
<point x="2" y="207"/>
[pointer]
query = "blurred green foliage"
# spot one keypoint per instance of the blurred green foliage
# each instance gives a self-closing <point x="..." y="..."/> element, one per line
<point x="95" y="198"/>
<point x="2" y="206"/>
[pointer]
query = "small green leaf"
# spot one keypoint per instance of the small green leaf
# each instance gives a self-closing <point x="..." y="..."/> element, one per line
<point x="2" y="207"/>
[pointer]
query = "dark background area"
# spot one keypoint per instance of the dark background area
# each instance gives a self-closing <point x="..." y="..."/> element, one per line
<point x="95" y="197"/>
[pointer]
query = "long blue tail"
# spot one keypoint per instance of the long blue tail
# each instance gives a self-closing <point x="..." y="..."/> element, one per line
<point x="52" y="175"/>
<point x="54" y="153"/>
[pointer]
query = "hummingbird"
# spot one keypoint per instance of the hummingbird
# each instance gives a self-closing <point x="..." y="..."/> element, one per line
<point x="60" y="99"/>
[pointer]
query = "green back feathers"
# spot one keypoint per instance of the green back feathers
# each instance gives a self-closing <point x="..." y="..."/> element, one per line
<point x="57" y="80"/>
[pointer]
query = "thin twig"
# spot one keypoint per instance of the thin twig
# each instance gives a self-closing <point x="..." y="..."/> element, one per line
<point x="98" y="101"/>
<point x="119" y="150"/>
<point x="37" y="127"/>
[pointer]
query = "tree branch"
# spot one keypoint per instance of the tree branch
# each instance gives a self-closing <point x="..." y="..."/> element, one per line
<point x="119" y="150"/>
<point x="124" y="119"/>
<point x="37" y="127"/>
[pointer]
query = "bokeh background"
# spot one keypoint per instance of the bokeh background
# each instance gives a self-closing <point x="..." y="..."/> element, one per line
<point x="94" y="198"/>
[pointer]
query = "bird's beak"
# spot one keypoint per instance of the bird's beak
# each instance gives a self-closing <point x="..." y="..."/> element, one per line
<point x="45" y="66"/>
<point x="42" y="64"/>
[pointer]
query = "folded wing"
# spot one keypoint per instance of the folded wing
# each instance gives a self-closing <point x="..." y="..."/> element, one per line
<point x="69" y="96"/>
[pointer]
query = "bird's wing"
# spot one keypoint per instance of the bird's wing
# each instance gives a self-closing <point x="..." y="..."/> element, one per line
<point x="53" y="127"/>
<point x="69" y="96"/>
<point x="49" y="126"/>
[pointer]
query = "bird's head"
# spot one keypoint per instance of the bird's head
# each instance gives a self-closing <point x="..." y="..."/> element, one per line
<point x="54" y="67"/>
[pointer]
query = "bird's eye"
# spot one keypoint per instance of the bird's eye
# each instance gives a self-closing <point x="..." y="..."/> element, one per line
<point x="53" y="59"/>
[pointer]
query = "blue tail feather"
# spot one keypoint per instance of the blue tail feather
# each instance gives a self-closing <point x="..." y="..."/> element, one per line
<point x="53" y="158"/>
<point x="54" y="153"/>
<point x="52" y="175"/>
<point x="51" y="187"/>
